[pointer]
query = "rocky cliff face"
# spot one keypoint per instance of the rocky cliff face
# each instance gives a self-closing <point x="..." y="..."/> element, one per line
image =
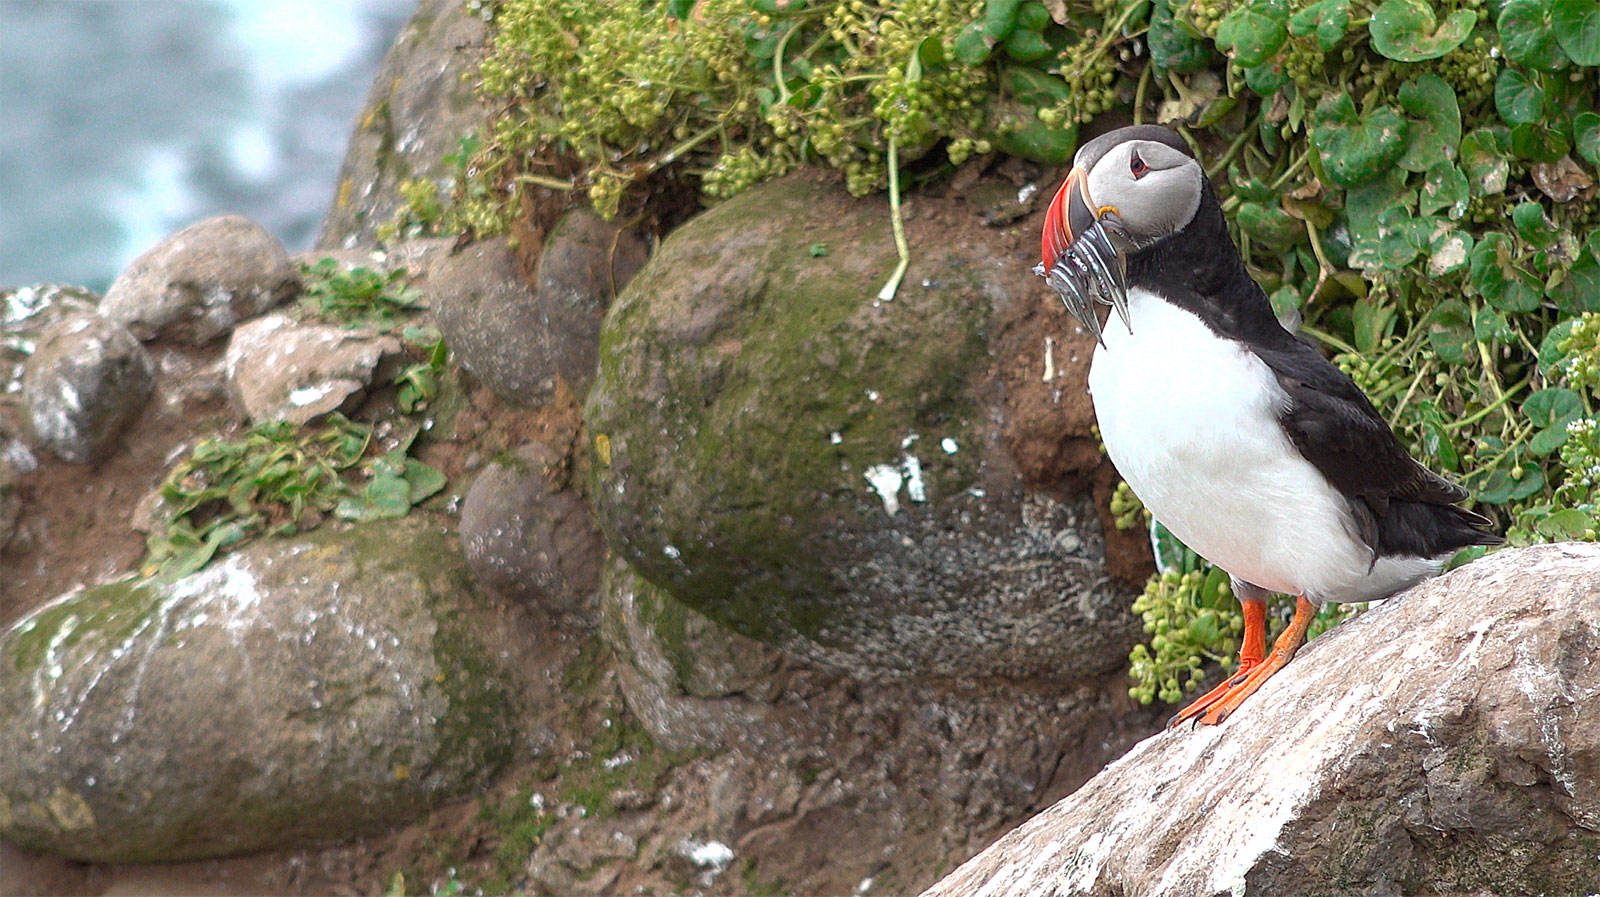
<point x="856" y="611"/>
<point x="1444" y="743"/>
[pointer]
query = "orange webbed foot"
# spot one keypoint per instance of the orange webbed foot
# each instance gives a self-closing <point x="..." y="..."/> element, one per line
<point x="1216" y="705"/>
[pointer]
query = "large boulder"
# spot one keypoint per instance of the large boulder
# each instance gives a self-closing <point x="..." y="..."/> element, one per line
<point x="195" y="285"/>
<point x="420" y="105"/>
<point x="282" y="369"/>
<point x="296" y="691"/>
<point x="1445" y="742"/>
<point x="828" y="472"/>
<point x="87" y="380"/>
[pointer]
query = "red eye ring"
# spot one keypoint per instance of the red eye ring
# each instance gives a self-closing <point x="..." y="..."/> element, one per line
<point x="1136" y="165"/>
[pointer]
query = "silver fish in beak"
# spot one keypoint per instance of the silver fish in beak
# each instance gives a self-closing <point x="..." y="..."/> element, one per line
<point x="1079" y="260"/>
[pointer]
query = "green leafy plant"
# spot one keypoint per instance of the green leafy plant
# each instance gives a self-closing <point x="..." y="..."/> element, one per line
<point x="276" y="479"/>
<point x="418" y="384"/>
<point x="356" y="295"/>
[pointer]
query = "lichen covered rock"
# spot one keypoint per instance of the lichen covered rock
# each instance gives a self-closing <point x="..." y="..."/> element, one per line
<point x="282" y="369"/>
<point x="195" y="285"/>
<point x="1443" y="743"/>
<point x="821" y="470"/>
<point x="87" y="380"/>
<point x="677" y="667"/>
<point x="25" y="313"/>
<point x="528" y="537"/>
<point x="297" y="691"/>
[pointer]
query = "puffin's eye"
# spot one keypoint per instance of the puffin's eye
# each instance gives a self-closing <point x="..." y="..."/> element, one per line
<point x="1136" y="165"/>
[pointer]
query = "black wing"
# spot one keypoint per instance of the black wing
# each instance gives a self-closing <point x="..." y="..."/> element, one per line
<point x="1401" y="507"/>
<point x="1335" y="427"/>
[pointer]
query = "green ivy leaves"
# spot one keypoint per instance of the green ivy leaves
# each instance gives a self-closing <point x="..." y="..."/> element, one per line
<point x="1518" y="98"/>
<point x="1171" y="47"/>
<point x="1577" y="30"/>
<point x="1498" y="280"/>
<point x="1436" y="129"/>
<point x="1551" y="410"/>
<point x="1586" y="140"/>
<point x="1328" y="20"/>
<point x="1406" y="30"/>
<point x="1547" y="34"/>
<point x="1355" y="148"/>
<point x="1526" y="36"/>
<point x="1254" y="31"/>
<point x="1484" y="161"/>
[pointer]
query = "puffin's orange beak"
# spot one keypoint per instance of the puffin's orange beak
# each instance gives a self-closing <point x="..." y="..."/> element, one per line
<point x="1071" y="215"/>
<point x="1079" y="260"/>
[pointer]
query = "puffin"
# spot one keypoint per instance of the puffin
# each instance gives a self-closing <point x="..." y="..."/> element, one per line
<point x="1236" y="434"/>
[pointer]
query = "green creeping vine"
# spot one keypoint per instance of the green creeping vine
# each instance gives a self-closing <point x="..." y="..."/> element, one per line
<point x="1416" y="180"/>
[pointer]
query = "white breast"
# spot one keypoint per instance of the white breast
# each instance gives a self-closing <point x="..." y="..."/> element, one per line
<point x="1190" y="421"/>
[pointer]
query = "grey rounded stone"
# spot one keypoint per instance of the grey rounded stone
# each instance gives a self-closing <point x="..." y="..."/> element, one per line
<point x="25" y="313"/>
<point x="88" y="378"/>
<point x="282" y="369"/>
<point x="586" y="261"/>
<point x="297" y="691"/>
<point x="677" y="667"/>
<point x="829" y="473"/>
<point x="486" y="312"/>
<point x="527" y="537"/>
<point x="195" y="285"/>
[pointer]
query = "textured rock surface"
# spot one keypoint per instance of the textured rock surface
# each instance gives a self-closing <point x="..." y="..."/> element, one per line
<point x="282" y="369"/>
<point x="486" y="312"/>
<point x="87" y="379"/>
<point x="416" y="256"/>
<point x="527" y="536"/>
<point x="1444" y="743"/>
<point x="420" y="105"/>
<point x="678" y="668"/>
<point x="819" y="781"/>
<point x="830" y="473"/>
<point x="586" y="261"/>
<point x="198" y="283"/>
<point x="299" y="690"/>
<point x="25" y="312"/>
<point x="9" y="503"/>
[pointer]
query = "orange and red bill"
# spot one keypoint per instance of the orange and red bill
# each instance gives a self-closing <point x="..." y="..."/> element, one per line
<point x="1079" y="260"/>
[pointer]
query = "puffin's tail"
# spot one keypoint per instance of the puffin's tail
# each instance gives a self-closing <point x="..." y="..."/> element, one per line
<point x="1424" y="529"/>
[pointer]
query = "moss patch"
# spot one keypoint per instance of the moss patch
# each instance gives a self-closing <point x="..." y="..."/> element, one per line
<point x="111" y="612"/>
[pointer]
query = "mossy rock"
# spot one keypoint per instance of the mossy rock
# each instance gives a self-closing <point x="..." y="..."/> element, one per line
<point x="821" y="470"/>
<point x="298" y="691"/>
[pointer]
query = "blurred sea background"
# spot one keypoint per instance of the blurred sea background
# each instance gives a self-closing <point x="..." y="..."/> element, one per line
<point x="124" y="120"/>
